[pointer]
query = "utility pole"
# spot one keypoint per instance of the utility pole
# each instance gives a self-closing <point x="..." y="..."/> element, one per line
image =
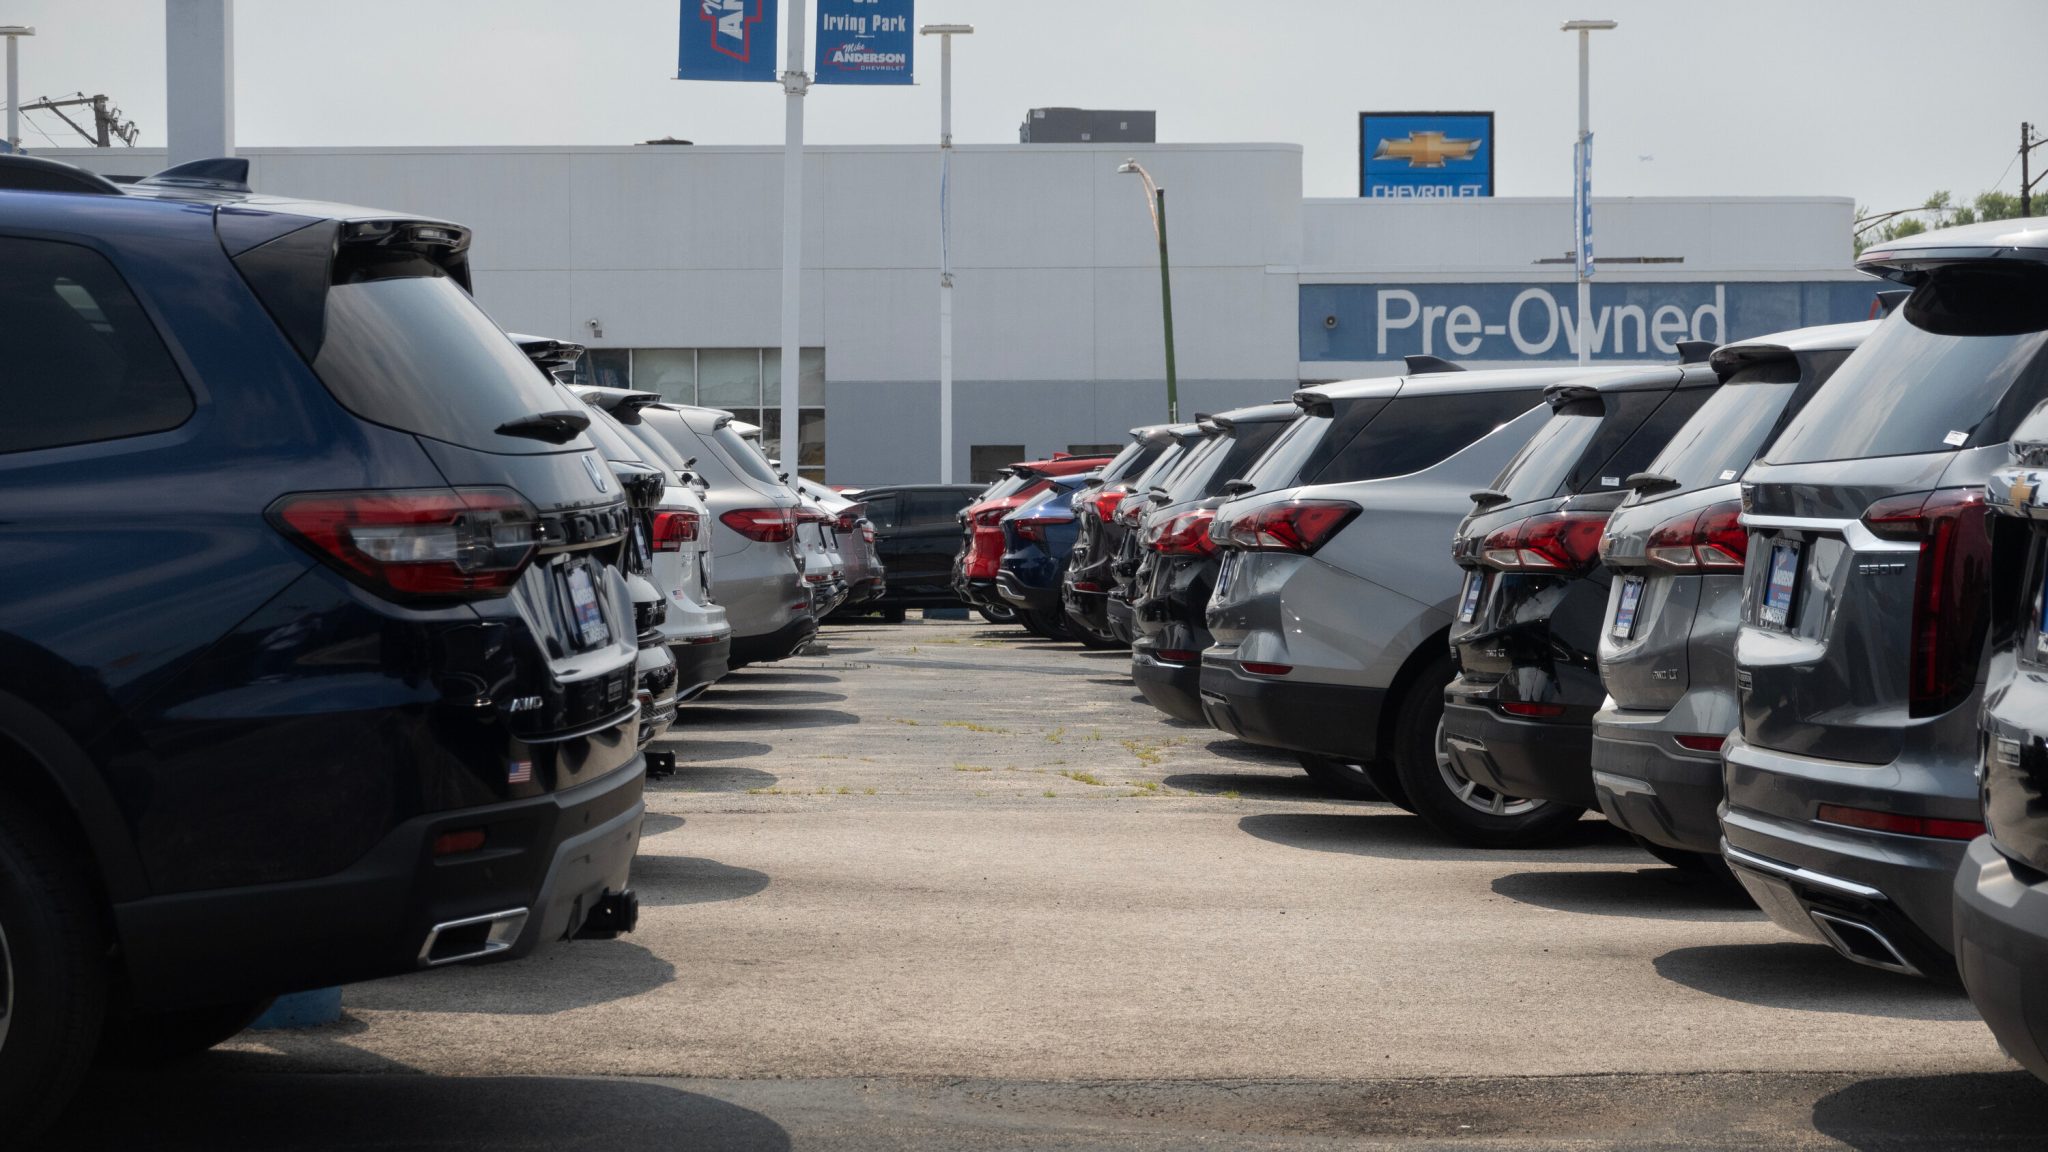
<point x="107" y="125"/>
<point x="1582" y="190"/>
<point x="2027" y="145"/>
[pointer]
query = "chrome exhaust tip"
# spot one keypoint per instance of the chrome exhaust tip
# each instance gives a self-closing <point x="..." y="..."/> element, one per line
<point x="454" y="941"/>
<point x="1862" y="943"/>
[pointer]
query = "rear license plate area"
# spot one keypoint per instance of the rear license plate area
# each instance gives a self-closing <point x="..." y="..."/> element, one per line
<point x="1468" y="600"/>
<point x="1226" y="574"/>
<point x="586" y="613"/>
<point x="1781" y="583"/>
<point x="1625" y="608"/>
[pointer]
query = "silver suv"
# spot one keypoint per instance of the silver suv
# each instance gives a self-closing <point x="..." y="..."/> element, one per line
<point x="1334" y="595"/>
<point x="1675" y="550"/>
<point x="1852" y="790"/>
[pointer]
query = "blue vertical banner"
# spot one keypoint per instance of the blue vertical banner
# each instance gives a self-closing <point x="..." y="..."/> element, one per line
<point x="865" y="41"/>
<point x="1582" y="204"/>
<point x="727" y="40"/>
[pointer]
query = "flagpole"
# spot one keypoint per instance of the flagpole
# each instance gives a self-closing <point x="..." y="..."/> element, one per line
<point x="795" y="83"/>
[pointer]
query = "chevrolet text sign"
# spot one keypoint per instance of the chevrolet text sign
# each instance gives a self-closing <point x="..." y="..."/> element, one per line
<point x="1509" y="322"/>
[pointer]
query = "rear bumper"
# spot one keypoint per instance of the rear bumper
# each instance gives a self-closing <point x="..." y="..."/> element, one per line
<point x="554" y="856"/>
<point x="1175" y="689"/>
<point x="1526" y="759"/>
<point x="1906" y="883"/>
<point x="1036" y="598"/>
<point x="1328" y="719"/>
<point x="699" y="666"/>
<point x="2001" y="942"/>
<point x="777" y="645"/>
<point x="1116" y="612"/>
<point x="1649" y="786"/>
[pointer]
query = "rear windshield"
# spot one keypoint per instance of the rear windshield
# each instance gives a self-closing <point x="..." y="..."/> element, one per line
<point x="1162" y="468"/>
<point x="1414" y="432"/>
<point x="1591" y="444"/>
<point x="1135" y="458"/>
<point x="744" y="455"/>
<point x="1224" y="459"/>
<point x="1000" y="489"/>
<point x="1282" y="462"/>
<point x="406" y="347"/>
<point x="656" y="448"/>
<point x="1924" y="383"/>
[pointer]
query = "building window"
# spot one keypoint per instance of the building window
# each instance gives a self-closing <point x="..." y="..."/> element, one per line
<point x="744" y="381"/>
<point x="985" y="462"/>
<point x="1094" y="449"/>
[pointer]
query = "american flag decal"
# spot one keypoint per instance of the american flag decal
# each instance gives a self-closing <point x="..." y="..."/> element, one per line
<point x="520" y="772"/>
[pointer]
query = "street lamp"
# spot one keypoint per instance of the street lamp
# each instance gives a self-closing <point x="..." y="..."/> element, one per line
<point x="1155" y="202"/>
<point x="14" y="32"/>
<point x="945" y="33"/>
<point x="1582" y="190"/>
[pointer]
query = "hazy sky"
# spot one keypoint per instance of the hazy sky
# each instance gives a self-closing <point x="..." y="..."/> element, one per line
<point x="1882" y="100"/>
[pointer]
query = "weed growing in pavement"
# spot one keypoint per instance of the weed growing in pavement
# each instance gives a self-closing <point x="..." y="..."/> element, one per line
<point x="1132" y="793"/>
<point x="901" y="720"/>
<point x="971" y="726"/>
<point x="971" y="768"/>
<point x="913" y="649"/>
<point x="1056" y="735"/>
<point x="1094" y="735"/>
<point x="1081" y="777"/>
<point x="867" y="791"/>
<point x="1230" y="795"/>
<point x="766" y="792"/>
<point x="845" y="791"/>
<point x="1151" y="786"/>
<point x="1049" y="793"/>
<point x="1147" y="754"/>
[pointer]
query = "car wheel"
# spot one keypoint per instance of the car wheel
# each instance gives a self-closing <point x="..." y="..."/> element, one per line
<point x="145" y="1038"/>
<point x="53" y="972"/>
<point x="1089" y="637"/>
<point x="1456" y="806"/>
<point x="1003" y="614"/>
<point x="1049" y="624"/>
<point x="894" y="614"/>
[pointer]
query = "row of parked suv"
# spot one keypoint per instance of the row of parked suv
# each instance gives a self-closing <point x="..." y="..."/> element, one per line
<point x="365" y="682"/>
<point x="1776" y="610"/>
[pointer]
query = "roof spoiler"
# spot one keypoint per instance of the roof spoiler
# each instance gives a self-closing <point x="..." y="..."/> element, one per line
<point x="1418" y="364"/>
<point x="1696" y="351"/>
<point x="1559" y="395"/>
<point x="1888" y="301"/>
<point x="219" y="174"/>
<point x="547" y="353"/>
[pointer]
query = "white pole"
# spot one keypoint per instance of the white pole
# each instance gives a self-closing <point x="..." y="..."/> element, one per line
<point x="1585" y="289"/>
<point x="13" y="95"/>
<point x="945" y="259"/>
<point x="795" y="82"/>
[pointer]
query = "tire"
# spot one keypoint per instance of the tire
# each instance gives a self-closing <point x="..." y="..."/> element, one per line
<point x="1461" y="809"/>
<point x="53" y="971"/>
<point x="1089" y="637"/>
<point x="142" y="1039"/>
<point x="894" y="614"/>
<point x="1048" y="623"/>
<point x="1002" y="615"/>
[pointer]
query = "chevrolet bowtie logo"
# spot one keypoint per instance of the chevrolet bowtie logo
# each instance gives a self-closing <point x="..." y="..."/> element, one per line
<point x="1426" y="149"/>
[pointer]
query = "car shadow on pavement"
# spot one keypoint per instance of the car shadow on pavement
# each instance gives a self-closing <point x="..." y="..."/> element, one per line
<point x="1248" y="785"/>
<point x="719" y="716"/>
<point x="1111" y="681"/>
<point x="1103" y="653"/>
<point x="668" y="881"/>
<point x="658" y="824"/>
<point x="691" y="750"/>
<point x="559" y="979"/>
<point x="1652" y="893"/>
<point x="1810" y="978"/>
<point x="1231" y="749"/>
<point x="749" y="677"/>
<point x="1394" y="835"/>
<point x="748" y="694"/>
<point x="209" y="1107"/>
<point x="1960" y="1110"/>
<point x="715" y="778"/>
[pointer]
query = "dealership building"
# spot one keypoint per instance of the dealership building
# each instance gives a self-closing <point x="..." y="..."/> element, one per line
<point x="665" y="260"/>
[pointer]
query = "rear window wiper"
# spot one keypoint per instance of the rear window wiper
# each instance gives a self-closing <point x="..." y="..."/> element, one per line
<point x="552" y="427"/>
<point x="1239" y="487"/>
<point x="1487" y="498"/>
<point x="1651" y="483"/>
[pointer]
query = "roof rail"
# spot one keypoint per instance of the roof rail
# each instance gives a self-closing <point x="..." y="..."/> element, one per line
<point x="1419" y="363"/>
<point x="219" y="174"/>
<point x="20" y="173"/>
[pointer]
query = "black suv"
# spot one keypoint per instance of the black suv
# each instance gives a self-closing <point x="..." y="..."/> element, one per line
<point x="316" y="662"/>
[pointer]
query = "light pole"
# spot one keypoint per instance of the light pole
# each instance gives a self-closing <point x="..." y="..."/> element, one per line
<point x="795" y="84"/>
<point x="1582" y="191"/>
<point x="1155" y="202"/>
<point x="945" y="33"/>
<point x="14" y="32"/>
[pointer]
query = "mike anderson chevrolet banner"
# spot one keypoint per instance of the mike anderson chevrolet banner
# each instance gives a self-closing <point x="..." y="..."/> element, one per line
<point x="865" y="41"/>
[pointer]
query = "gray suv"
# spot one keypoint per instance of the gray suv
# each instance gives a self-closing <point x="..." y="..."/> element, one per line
<point x="1334" y="595"/>
<point x="1675" y="550"/>
<point x="1852" y="791"/>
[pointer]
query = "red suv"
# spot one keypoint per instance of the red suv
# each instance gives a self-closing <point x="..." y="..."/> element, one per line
<point x="974" y="574"/>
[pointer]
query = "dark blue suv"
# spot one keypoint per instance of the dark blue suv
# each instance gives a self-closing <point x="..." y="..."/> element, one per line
<point x="316" y="662"/>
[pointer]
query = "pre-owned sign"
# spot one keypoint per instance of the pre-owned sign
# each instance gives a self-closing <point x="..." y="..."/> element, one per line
<point x="1425" y="154"/>
<point x="865" y="41"/>
<point x="1509" y="322"/>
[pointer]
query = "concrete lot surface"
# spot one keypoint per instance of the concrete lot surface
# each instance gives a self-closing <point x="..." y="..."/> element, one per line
<point x="948" y="886"/>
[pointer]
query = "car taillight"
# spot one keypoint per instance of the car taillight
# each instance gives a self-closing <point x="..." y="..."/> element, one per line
<point x="991" y="517"/>
<point x="1877" y="821"/>
<point x="1701" y="743"/>
<point x="1950" y="590"/>
<point x="1530" y="708"/>
<point x="848" y="520"/>
<point x="1710" y="540"/>
<point x="672" y="530"/>
<point x="767" y="525"/>
<point x="1184" y="535"/>
<point x="1033" y="528"/>
<point x="1259" y="669"/>
<point x="805" y="514"/>
<point x="1295" y="526"/>
<point x="1561" y="542"/>
<point x="1132" y="509"/>
<point x="418" y="541"/>
<point x="1106" y="501"/>
<point x="1177" y="655"/>
<point x="867" y="533"/>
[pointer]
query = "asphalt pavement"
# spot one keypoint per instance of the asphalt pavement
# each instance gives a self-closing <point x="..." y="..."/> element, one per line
<point x="945" y="885"/>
